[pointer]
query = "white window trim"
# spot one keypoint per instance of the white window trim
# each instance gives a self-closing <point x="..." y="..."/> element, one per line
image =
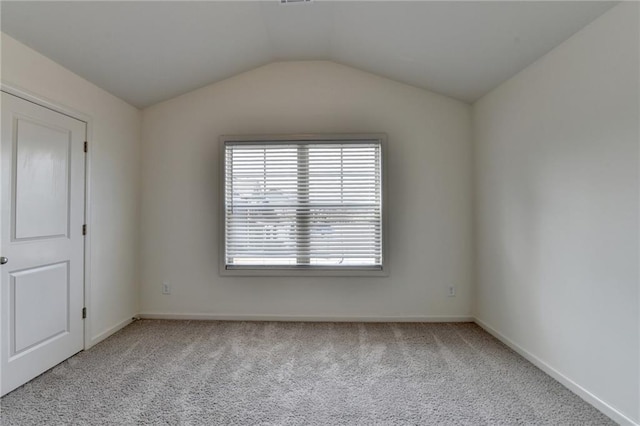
<point x="314" y="271"/>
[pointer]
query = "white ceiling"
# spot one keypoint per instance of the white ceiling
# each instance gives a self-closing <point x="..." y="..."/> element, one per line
<point x="145" y="52"/>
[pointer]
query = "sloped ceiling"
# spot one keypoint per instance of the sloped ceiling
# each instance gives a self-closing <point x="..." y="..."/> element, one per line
<point x="145" y="52"/>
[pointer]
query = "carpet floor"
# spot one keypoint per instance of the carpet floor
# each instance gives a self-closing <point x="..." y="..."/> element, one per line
<point x="270" y="373"/>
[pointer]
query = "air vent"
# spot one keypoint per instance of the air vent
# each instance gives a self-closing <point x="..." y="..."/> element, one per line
<point x="294" y="1"/>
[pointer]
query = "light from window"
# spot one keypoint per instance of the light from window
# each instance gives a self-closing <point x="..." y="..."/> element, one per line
<point x="294" y="203"/>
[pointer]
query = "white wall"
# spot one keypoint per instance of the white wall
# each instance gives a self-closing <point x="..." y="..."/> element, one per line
<point x="556" y="160"/>
<point x="428" y="188"/>
<point x="115" y="179"/>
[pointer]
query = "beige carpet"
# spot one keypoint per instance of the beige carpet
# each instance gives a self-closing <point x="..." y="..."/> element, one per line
<point x="267" y="373"/>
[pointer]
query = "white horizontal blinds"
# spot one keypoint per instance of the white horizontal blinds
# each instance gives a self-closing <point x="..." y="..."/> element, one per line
<point x="303" y="204"/>
<point x="260" y="204"/>
<point x="345" y="204"/>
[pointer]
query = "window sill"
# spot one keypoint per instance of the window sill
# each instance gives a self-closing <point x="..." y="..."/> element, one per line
<point x="278" y="271"/>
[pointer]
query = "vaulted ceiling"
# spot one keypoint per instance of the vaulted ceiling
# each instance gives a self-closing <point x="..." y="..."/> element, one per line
<point x="146" y="51"/>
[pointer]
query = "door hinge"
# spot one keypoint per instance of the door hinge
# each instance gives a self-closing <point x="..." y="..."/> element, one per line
<point x="84" y="229"/>
<point x="84" y="313"/>
<point x="86" y="146"/>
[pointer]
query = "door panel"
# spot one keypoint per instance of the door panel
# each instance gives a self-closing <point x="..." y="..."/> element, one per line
<point x="42" y="193"/>
<point x="34" y="323"/>
<point x="42" y="180"/>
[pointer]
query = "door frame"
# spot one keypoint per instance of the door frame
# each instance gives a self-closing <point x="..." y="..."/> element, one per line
<point x="15" y="90"/>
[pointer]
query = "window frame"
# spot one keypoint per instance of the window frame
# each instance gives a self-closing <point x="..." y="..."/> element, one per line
<point x="311" y="270"/>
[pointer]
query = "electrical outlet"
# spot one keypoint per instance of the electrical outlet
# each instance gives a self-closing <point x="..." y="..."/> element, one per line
<point x="166" y="288"/>
<point x="452" y="291"/>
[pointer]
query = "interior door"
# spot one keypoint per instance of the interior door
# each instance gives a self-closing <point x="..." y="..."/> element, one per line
<point x="41" y="239"/>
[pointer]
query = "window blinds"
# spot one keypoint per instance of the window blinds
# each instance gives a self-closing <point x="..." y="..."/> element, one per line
<point x="303" y="204"/>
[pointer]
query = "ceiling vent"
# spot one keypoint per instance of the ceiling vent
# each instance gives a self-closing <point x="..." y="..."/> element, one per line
<point x="294" y="1"/>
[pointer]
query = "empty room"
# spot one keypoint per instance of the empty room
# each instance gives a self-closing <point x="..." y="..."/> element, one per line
<point x="315" y="212"/>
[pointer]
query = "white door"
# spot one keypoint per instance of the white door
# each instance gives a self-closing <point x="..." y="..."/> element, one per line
<point x="41" y="239"/>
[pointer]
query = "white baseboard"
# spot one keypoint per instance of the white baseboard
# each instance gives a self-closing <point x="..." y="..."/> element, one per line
<point x="305" y="318"/>
<point x="100" y="337"/>
<point x="583" y="393"/>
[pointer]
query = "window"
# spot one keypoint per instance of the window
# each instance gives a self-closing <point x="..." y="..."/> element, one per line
<point x="296" y="205"/>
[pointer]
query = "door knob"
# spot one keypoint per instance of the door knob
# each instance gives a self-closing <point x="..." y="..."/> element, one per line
<point x="3" y="260"/>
